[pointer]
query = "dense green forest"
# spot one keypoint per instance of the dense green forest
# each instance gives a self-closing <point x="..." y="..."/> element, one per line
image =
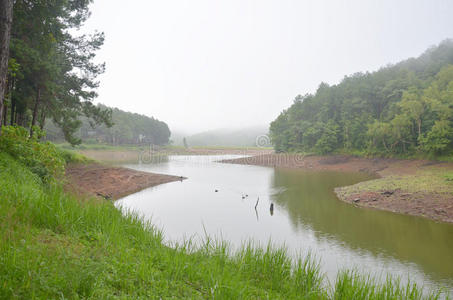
<point x="128" y="128"/>
<point x="402" y="109"/>
<point x="51" y="73"/>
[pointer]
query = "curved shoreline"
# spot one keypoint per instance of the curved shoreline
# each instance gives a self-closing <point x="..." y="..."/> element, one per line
<point x="109" y="182"/>
<point x="413" y="187"/>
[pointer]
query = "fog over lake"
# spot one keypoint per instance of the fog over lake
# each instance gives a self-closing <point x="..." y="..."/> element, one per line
<point x="203" y="65"/>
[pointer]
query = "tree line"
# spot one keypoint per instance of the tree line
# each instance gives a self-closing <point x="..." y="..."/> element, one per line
<point x="401" y="109"/>
<point x="128" y="128"/>
<point x="47" y="71"/>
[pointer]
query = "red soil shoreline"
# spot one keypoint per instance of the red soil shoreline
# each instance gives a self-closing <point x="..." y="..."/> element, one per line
<point x="111" y="182"/>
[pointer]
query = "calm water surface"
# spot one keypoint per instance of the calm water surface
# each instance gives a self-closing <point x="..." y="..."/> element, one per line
<point x="307" y="216"/>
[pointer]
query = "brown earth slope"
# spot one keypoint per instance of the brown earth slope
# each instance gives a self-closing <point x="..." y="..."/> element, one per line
<point x="111" y="182"/>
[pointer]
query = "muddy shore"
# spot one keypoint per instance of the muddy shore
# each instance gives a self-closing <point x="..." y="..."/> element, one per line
<point x="414" y="187"/>
<point x="111" y="182"/>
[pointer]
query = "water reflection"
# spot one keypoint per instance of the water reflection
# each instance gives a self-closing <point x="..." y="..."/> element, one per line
<point x="309" y="201"/>
<point x="297" y="209"/>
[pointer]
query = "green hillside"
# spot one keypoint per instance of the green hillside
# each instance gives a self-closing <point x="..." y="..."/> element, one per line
<point x="403" y="109"/>
<point x="128" y="128"/>
<point x="245" y="137"/>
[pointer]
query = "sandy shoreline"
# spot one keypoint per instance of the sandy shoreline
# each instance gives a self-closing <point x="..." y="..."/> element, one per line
<point x="111" y="182"/>
<point x="414" y="187"/>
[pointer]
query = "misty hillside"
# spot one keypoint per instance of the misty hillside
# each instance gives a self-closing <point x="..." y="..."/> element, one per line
<point x="246" y="137"/>
<point x="128" y="128"/>
<point x="406" y="108"/>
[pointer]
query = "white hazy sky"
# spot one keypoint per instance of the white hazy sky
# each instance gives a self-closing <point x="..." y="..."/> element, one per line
<point x="205" y="64"/>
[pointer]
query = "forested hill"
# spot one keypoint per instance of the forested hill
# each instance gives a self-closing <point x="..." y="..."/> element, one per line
<point x="244" y="137"/>
<point x="406" y="108"/>
<point x="51" y="72"/>
<point x="128" y="128"/>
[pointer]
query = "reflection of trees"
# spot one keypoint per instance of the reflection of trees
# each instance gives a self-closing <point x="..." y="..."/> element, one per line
<point x="309" y="200"/>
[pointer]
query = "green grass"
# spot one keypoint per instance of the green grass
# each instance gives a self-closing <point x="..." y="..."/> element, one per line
<point x="53" y="246"/>
<point x="71" y="156"/>
<point x="414" y="156"/>
<point x="432" y="180"/>
<point x="351" y="285"/>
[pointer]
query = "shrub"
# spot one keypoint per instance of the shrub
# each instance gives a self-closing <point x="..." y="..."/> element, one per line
<point x="72" y="156"/>
<point x="43" y="159"/>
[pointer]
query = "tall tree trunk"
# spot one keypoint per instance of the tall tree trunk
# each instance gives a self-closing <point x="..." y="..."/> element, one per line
<point x="13" y="111"/>
<point x="6" y="20"/>
<point x="16" y="116"/>
<point x="419" y="128"/>
<point x="35" y="110"/>
<point x="9" y="93"/>
<point x="5" y="113"/>
<point x="19" y="118"/>
<point x="42" y="120"/>
<point x="10" y="88"/>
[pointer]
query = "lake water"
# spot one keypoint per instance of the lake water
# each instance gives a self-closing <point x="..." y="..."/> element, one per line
<point x="307" y="217"/>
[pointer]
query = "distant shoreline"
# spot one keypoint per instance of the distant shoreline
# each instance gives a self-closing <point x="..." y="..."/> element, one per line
<point x="112" y="182"/>
<point x="414" y="187"/>
<point x="131" y="156"/>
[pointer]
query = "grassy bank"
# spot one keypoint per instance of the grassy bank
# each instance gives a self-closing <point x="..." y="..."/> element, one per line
<point x="432" y="180"/>
<point x="55" y="246"/>
<point x="425" y="191"/>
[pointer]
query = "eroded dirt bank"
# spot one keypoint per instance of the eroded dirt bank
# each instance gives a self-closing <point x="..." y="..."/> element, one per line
<point x="111" y="182"/>
<point x="414" y="187"/>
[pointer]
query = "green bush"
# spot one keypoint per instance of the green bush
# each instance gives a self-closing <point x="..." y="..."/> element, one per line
<point x="72" y="156"/>
<point x="42" y="159"/>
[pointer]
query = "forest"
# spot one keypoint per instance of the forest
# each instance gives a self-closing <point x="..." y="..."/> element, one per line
<point x="128" y="128"/>
<point x="51" y="80"/>
<point x="51" y="73"/>
<point x="244" y="137"/>
<point x="404" y="109"/>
